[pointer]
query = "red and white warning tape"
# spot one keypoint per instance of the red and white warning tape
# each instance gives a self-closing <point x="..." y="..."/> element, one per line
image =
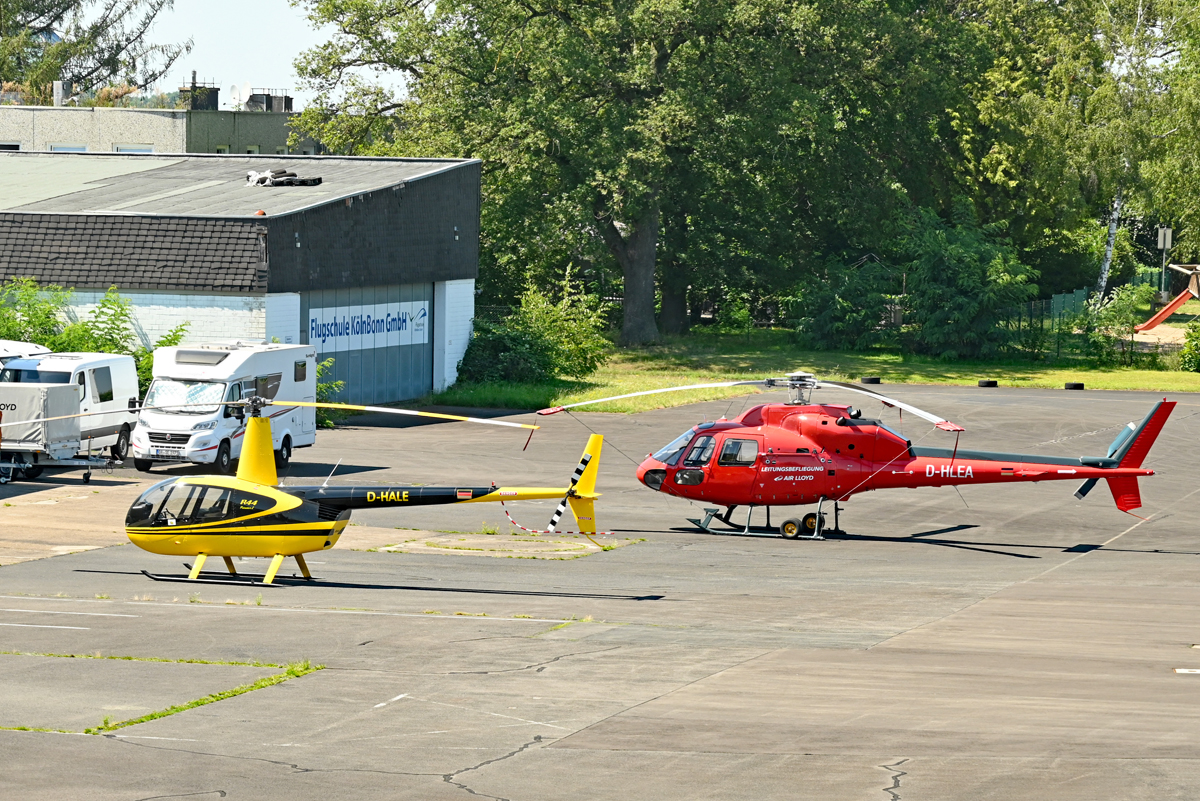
<point x="549" y="531"/>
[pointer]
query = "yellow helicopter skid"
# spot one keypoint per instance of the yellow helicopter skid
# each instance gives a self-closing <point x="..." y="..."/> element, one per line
<point x="287" y="541"/>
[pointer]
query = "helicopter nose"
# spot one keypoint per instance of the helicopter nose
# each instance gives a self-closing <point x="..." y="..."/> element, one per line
<point x="652" y="473"/>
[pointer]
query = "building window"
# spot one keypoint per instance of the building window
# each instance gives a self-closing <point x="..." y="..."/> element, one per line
<point x="222" y="149"/>
<point x="68" y="148"/>
<point x="281" y="151"/>
<point x="10" y="145"/>
<point x="134" y="148"/>
<point x="251" y="149"/>
<point x="306" y="151"/>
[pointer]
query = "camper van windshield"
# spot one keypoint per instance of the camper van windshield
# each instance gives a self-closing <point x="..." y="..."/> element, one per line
<point x="16" y="375"/>
<point x="169" y="392"/>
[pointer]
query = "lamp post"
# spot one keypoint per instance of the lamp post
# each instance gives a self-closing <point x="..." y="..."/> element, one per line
<point x="1164" y="244"/>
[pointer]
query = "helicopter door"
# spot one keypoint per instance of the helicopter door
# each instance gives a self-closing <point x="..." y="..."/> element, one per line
<point x="731" y="477"/>
<point x="790" y="478"/>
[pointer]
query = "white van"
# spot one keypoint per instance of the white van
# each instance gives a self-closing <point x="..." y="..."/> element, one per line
<point x="106" y="382"/>
<point x="12" y="349"/>
<point x="224" y="371"/>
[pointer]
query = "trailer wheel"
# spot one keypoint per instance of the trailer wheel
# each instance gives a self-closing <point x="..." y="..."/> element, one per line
<point x="284" y="455"/>
<point x="791" y="528"/>
<point x="810" y="523"/>
<point x="32" y="471"/>
<point x="120" y="448"/>
<point x="142" y="465"/>
<point x="224" y="460"/>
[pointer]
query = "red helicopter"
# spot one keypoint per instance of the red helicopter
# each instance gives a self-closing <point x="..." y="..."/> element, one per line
<point x="799" y="452"/>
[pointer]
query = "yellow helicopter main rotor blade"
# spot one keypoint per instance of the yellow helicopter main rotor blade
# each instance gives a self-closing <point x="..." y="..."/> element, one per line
<point x="406" y="412"/>
<point x="135" y="410"/>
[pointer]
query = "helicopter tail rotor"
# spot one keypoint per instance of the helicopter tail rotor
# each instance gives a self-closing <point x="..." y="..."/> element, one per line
<point x="581" y="494"/>
<point x="1130" y="449"/>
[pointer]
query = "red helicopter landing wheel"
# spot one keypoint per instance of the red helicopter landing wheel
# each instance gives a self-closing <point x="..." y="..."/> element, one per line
<point x="791" y="528"/>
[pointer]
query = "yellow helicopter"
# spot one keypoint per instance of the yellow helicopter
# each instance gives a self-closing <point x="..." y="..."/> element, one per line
<point x="251" y="515"/>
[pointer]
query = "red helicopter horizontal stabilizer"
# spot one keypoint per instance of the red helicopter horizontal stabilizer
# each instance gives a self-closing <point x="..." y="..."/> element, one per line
<point x="946" y="425"/>
<point x="552" y="410"/>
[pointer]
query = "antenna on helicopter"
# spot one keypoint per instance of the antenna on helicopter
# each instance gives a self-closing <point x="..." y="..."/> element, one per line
<point x="331" y="472"/>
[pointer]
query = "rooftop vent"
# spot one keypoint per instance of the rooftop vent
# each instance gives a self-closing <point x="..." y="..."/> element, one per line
<point x="275" y="100"/>
<point x="209" y="357"/>
<point x="200" y="95"/>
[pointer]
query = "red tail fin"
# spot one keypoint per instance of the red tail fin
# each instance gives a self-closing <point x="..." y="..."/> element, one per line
<point x="1125" y="492"/>
<point x="1147" y="432"/>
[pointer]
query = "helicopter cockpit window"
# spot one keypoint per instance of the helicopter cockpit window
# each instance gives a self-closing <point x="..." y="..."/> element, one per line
<point x="700" y="453"/>
<point x="179" y="505"/>
<point x="739" y="452"/>
<point x="670" y="454"/>
<point x="145" y="507"/>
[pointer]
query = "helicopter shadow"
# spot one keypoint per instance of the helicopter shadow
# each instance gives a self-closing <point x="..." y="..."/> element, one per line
<point x="918" y="538"/>
<point x="281" y="581"/>
<point x="66" y="479"/>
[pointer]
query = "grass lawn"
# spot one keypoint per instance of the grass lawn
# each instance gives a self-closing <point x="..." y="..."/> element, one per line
<point x="707" y="357"/>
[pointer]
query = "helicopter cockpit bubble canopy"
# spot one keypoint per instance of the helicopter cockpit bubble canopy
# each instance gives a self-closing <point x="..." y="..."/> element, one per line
<point x="176" y="502"/>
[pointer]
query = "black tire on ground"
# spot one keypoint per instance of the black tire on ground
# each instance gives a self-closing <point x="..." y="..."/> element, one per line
<point x="988" y="382"/>
<point x="791" y="528"/>
<point x="1074" y="385"/>
<point x="869" y="379"/>
<point x="32" y="471"/>
<point x="809" y="524"/>
<point x="142" y="465"/>
<point x="224" y="461"/>
<point x="120" y="449"/>
<point x="283" y="456"/>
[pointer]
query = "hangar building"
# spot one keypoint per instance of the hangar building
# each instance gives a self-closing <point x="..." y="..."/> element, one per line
<point x="375" y="265"/>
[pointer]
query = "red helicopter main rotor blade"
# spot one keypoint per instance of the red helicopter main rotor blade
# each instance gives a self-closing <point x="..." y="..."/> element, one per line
<point x="940" y="422"/>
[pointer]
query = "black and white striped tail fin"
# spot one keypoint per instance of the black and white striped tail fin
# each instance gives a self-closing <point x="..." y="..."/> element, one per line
<point x="562" y="506"/>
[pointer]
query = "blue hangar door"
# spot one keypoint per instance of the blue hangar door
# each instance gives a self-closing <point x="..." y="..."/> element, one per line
<point x="380" y="339"/>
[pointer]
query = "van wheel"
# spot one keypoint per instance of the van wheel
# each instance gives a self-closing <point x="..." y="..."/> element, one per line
<point x="283" y="456"/>
<point x="142" y="465"/>
<point x="120" y="448"/>
<point x="32" y="471"/>
<point x="224" y="461"/>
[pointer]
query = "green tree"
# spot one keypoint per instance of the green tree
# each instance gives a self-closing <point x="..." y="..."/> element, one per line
<point x="715" y="142"/>
<point x="88" y="42"/>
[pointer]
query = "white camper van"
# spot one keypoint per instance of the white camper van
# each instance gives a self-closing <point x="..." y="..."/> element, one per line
<point x="105" y="383"/>
<point x="12" y="349"/>
<point x="224" y="371"/>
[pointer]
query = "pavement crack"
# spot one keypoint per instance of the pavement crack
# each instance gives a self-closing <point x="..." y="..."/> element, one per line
<point x="894" y="768"/>
<point x="219" y="794"/>
<point x="277" y="762"/>
<point x="449" y="778"/>
<point x="527" y="667"/>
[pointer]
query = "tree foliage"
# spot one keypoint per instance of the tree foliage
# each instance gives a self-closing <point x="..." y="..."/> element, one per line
<point x="91" y="43"/>
<point x="689" y="156"/>
<point x="541" y="340"/>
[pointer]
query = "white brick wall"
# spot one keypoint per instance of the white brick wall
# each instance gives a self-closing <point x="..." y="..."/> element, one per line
<point x="453" y="311"/>
<point x="210" y="317"/>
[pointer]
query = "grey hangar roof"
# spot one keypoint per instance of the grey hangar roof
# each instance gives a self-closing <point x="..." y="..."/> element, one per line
<point x="191" y="185"/>
<point x="187" y="222"/>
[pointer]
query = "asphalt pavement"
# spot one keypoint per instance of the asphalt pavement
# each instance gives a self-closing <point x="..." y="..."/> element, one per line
<point x="994" y="642"/>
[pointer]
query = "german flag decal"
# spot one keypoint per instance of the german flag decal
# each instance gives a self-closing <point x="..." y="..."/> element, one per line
<point x="464" y="495"/>
<point x="1006" y="471"/>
